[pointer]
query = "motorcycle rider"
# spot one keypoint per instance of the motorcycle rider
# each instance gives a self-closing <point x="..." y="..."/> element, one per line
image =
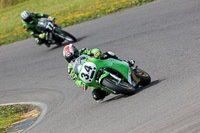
<point x="30" y="21"/>
<point x="70" y="53"/>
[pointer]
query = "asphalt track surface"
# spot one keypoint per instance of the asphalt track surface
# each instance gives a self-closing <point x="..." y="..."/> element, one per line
<point x="164" y="39"/>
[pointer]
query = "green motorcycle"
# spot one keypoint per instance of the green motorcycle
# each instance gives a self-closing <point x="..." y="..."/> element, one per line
<point x="111" y="75"/>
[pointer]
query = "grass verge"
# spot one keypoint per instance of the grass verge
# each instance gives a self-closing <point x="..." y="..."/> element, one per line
<point x="66" y="12"/>
<point x="6" y="3"/>
<point x="12" y="113"/>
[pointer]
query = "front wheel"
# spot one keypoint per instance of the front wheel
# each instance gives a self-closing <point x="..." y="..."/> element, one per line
<point x="144" y="77"/>
<point x="66" y="36"/>
<point x="70" y="37"/>
<point x="122" y="87"/>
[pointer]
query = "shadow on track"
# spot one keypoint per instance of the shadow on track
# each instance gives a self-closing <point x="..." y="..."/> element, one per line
<point x="66" y="43"/>
<point x="81" y="38"/>
<point x="148" y="86"/>
<point x="116" y="98"/>
<point x="138" y="90"/>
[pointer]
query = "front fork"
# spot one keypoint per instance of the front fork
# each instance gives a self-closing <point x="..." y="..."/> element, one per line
<point x="104" y="74"/>
<point x="134" y="77"/>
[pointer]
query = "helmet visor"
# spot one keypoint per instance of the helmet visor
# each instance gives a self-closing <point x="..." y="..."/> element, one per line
<point x="29" y="20"/>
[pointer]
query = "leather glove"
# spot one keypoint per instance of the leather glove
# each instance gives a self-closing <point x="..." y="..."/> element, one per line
<point x="84" y="87"/>
<point x="42" y="35"/>
<point x="51" y="18"/>
<point x="97" y="54"/>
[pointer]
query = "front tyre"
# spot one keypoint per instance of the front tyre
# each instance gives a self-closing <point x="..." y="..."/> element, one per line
<point x="67" y="36"/>
<point x="144" y="77"/>
<point x="122" y="87"/>
<point x="70" y="37"/>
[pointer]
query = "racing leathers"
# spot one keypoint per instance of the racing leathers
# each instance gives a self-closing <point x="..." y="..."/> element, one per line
<point x="97" y="93"/>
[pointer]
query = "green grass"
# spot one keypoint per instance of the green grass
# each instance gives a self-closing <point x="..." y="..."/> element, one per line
<point x="6" y="3"/>
<point x="12" y="113"/>
<point x="66" y="12"/>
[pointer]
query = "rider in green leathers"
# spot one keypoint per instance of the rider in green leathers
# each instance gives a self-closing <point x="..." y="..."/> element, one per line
<point x="30" y="21"/>
<point x="70" y="53"/>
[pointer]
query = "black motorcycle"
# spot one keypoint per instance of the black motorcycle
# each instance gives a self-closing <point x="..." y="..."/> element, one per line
<point x="54" y="34"/>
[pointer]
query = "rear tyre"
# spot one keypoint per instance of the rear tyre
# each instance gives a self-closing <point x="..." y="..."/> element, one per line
<point x="144" y="77"/>
<point x="123" y="87"/>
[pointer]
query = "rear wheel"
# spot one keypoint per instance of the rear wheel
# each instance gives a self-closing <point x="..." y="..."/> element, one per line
<point x="144" y="77"/>
<point x="121" y="87"/>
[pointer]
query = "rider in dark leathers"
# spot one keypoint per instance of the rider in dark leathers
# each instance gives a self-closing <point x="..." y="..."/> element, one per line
<point x="30" y="21"/>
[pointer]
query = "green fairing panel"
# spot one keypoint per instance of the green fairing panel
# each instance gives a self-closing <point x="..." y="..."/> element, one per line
<point x="113" y="63"/>
<point x="110" y="63"/>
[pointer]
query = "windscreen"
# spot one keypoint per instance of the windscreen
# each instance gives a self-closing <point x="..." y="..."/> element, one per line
<point x="78" y="63"/>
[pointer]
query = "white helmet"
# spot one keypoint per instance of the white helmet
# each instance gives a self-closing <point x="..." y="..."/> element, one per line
<point x="27" y="17"/>
<point x="70" y="52"/>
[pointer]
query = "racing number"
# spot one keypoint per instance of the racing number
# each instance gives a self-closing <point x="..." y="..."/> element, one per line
<point x="86" y="76"/>
<point x="87" y="73"/>
<point x="88" y="68"/>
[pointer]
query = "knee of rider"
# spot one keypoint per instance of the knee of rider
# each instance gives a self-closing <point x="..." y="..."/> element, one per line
<point x="96" y="94"/>
<point x="113" y="54"/>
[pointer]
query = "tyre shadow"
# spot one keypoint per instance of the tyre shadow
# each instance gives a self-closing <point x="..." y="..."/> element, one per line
<point x="148" y="86"/>
<point x="66" y="43"/>
<point x="138" y="90"/>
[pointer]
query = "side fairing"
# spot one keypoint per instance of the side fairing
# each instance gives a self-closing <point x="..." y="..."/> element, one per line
<point x="90" y="68"/>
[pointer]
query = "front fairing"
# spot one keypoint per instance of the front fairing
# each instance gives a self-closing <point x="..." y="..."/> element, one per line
<point x="120" y="66"/>
<point x="88" y="68"/>
<point x="42" y="24"/>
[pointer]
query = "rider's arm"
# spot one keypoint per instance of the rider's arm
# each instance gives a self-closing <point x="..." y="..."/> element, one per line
<point x="40" y="15"/>
<point x="91" y="52"/>
<point x="29" y="31"/>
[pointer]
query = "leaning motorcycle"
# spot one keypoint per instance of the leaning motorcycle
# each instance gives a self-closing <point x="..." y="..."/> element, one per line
<point x="54" y="34"/>
<point x="111" y="75"/>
